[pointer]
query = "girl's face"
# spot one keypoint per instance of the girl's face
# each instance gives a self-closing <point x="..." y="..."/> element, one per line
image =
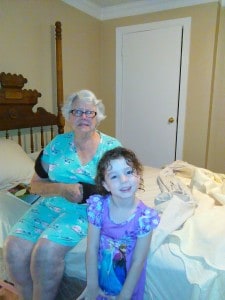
<point x="120" y="179"/>
<point x="83" y="123"/>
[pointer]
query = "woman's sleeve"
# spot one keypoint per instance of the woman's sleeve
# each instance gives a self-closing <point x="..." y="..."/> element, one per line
<point x="148" y="220"/>
<point x="43" y="156"/>
<point x="88" y="190"/>
<point x="39" y="168"/>
<point x="94" y="210"/>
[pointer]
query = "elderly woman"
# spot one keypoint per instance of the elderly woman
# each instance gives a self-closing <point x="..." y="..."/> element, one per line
<point x="65" y="172"/>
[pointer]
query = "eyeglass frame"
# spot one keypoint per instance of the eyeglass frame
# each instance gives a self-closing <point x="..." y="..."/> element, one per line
<point x="90" y="114"/>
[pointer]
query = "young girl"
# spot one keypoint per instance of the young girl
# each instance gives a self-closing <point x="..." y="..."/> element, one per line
<point x="119" y="232"/>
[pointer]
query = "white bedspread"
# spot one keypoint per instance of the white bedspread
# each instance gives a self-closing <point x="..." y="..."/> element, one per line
<point x="194" y="234"/>
<point x="11" y="209"/>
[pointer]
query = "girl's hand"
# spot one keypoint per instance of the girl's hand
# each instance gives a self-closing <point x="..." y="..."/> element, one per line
<point x="92" y="294"/>
<point x="83" y="294"/>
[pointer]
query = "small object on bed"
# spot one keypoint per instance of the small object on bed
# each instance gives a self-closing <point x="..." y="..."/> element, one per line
<point x="22" y="191"/>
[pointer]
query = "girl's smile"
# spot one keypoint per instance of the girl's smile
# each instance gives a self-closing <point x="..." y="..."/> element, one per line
<point x="120" y="179"/>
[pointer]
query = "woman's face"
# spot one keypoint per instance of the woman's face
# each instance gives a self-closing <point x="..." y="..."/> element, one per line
<point x="83" y="118"/>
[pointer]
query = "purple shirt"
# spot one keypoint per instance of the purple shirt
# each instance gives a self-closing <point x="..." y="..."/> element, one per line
<point x="117" y="243"/>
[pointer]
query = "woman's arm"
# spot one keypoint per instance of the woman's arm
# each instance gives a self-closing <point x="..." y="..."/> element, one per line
<point x="44" y="187"/>
<point x="139" y="258"/>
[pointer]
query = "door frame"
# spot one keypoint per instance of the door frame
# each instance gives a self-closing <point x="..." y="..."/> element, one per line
<point x="186" y="26"/>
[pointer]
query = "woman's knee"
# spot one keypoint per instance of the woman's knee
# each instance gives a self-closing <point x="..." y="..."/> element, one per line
<point x="46" y="251"/>
<point x="17" y="253"/>
<point x="17" y="250"/>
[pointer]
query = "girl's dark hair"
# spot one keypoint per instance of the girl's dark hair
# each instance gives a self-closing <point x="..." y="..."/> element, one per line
<point x="112" y="154"/>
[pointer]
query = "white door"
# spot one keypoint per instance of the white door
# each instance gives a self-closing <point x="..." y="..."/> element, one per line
<point x="149" y="62"/>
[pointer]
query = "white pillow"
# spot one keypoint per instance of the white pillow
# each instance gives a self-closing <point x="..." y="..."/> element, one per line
<point x="15" y="165"/>
<point x="34" y="155"/>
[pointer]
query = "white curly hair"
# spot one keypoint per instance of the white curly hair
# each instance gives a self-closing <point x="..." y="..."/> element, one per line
<point x="86" y="96"/>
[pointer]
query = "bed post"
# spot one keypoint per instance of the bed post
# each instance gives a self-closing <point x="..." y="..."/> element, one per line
<point x="58" y="37"/>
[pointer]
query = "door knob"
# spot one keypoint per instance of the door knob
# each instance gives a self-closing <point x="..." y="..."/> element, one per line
<point x="171" y="120"/>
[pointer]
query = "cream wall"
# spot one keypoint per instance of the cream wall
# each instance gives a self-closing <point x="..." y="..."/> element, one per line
<point x="199" y="98"/>
<point x="89" y="52"/>
<point x="28" y="46"/>
<point x="216" y="149"/>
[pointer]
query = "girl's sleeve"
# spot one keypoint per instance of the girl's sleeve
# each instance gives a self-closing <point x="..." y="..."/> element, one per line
<point x="94" y="210"/>
<point x="148" y="220"/>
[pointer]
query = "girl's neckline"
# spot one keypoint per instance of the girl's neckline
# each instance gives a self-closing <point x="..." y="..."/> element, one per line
<point x="129" y="218"/>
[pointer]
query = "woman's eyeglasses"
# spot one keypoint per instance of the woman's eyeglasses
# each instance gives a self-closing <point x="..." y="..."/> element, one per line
<point x="79" y="113"/>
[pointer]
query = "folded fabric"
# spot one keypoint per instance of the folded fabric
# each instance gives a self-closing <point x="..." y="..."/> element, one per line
<point x="180" y="168"/>
<point x="179" y="207"/>
<point x="175" y="204"/>
<point x="202" y="234"/>
<point x="209" y="183"/>
<point x="199" y="242"/>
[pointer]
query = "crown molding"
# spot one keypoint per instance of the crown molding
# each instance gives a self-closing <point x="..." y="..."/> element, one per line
<point x="146" y="6"/>
<point x="87" y="7"/>
<point x="133" y="8"/>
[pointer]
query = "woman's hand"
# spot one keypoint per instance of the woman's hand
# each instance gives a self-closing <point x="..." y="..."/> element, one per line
<point x="72" y="192"/>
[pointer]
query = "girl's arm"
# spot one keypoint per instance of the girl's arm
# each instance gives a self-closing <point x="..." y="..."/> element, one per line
<point x="92" y="256"/>
<point x="139" y="258"/>
<point x="92" y="289"/>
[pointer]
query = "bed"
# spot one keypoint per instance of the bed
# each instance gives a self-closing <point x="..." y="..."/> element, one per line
<point x="186" y="257"/>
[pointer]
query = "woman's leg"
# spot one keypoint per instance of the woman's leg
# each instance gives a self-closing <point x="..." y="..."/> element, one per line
<point x="20" y="244"/>
<point x="47" y="261"/>
<point x="47" y="266"/>
<point x="17" y="255"/>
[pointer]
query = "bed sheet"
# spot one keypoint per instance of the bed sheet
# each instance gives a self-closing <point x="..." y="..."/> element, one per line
<point x="166" y="277"/>
<point x="191" y="227"/>
<point x="11" y="209"/>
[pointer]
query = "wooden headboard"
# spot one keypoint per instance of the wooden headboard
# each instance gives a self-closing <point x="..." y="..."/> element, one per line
<point x="16" y="103"/>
